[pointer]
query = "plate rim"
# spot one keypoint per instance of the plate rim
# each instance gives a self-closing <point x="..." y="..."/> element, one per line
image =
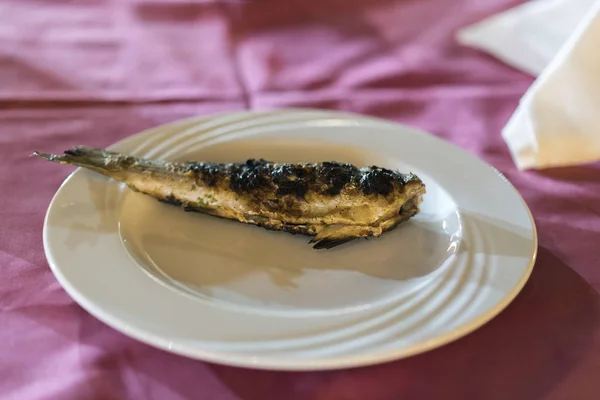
<point x="275" y="363"/>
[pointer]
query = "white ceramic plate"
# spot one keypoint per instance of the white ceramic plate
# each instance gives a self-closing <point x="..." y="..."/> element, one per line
<point x="230" y="293"/>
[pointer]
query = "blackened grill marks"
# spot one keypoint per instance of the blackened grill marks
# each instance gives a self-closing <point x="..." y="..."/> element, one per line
<point x="209" y="173"/>
<point x="293" y="179"/>
<point x="252" y="176"/>
<point x="336" y="176"/>
<point x="257" y="177"/>
<point x="379" y="181"/>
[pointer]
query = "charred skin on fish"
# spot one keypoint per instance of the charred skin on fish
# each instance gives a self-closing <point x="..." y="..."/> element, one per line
<point x="330" y="201"/>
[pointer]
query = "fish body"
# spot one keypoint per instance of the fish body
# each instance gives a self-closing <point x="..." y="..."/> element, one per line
<point x="330" y="201"/>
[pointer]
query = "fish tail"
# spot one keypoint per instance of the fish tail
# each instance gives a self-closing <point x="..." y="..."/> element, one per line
<point x="333" y="236"/>
<point x="99" y="160"/>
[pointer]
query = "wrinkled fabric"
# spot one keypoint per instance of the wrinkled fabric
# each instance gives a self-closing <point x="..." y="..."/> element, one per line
<point x="95" y="71"/>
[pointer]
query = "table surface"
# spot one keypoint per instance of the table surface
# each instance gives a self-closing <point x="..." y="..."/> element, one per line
<point x="95" y="71"/>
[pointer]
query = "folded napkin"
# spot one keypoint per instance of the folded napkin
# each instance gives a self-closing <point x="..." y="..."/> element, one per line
<point x="557" y="122"/>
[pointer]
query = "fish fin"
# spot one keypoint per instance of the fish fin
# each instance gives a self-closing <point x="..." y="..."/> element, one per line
<point x="331" y="243"/>
<point x="332" y="236"/>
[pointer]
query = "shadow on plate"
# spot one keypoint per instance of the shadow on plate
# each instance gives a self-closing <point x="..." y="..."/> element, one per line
<point x="392" y="256"/>
<point x="415" y="249"/>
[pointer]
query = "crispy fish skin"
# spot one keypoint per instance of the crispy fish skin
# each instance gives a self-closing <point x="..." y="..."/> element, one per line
<point x="333" y="202"/>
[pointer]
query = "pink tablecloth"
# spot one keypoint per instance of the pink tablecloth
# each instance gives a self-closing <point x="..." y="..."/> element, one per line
<point x="96" y="71"/>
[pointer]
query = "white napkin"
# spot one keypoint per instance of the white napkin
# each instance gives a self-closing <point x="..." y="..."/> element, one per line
<point x="557" y="122"/>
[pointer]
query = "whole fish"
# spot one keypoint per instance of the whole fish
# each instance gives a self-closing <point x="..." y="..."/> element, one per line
<point x="333" y="202"/>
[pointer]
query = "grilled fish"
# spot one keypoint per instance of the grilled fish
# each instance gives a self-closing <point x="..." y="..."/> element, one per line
<point x="330" y="201"/>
